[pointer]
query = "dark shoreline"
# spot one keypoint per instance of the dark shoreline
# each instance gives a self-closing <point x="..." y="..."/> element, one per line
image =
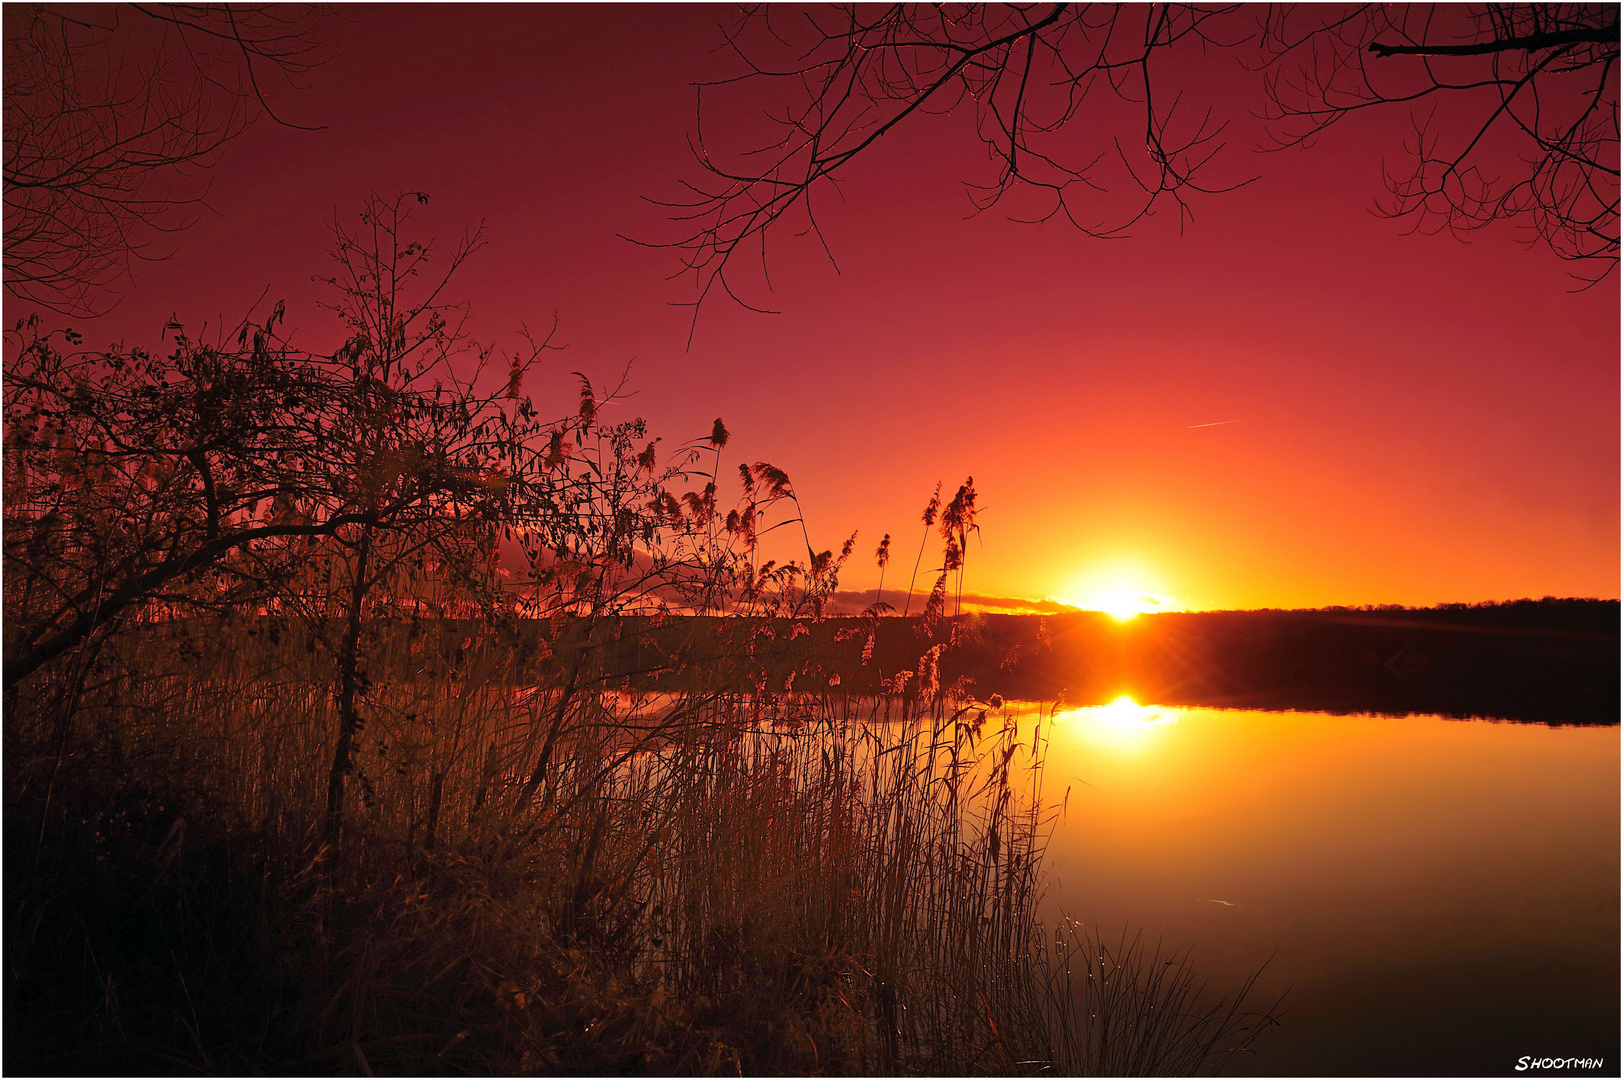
<point x="1547" y="661"/>
<point x="1554" y="662"/>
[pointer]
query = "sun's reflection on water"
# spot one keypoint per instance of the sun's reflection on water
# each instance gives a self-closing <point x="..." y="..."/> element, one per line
<point x="1124" y="725"/>
<point x="1341" y="842"/>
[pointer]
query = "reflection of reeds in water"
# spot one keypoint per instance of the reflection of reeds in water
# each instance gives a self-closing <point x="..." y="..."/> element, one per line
<point x="1124" y="1010"/>
<point x="539" y="880"/>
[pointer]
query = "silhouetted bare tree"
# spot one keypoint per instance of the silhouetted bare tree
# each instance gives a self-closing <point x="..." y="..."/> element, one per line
<point x="110" y="110"/>
<point x="1522" y="123"/>
<point x="1528" y="87"/>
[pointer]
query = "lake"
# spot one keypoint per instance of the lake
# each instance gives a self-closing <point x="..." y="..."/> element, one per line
<point x="1438" y="896"/>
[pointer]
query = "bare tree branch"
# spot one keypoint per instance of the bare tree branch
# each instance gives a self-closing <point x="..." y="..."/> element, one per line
<point x="1077" y="108"/>
<point x="111" y="116"/>
<point x="1522" y="119"/>
<point x="1573" y="36"/>
<point x="1019" y="73"/>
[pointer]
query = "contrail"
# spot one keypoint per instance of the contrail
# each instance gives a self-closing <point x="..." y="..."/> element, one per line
<point x="1225" y="903"/>
<point x="1218" y="423"/>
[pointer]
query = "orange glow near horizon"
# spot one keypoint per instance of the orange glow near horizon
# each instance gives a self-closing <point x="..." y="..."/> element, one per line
<point x="1122" y="588"/>
<point x="1284" y="403"/>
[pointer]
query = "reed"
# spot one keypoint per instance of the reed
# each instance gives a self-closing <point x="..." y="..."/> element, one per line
<point x="702" y="881"/>
<point x="387" y="727"/>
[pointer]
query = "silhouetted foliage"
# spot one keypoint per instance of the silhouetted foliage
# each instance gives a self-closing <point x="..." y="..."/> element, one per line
<point x="1083" y="107"/>
<point x="210" y="475"/>
<point x="383" y="479"/>
<point x="110" y="110"/>
<point x="349" y="788"/>
<point x="1520" y="120"/>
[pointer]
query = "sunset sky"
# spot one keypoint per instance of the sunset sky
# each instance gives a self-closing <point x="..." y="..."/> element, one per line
<point x="1291" y="404"/>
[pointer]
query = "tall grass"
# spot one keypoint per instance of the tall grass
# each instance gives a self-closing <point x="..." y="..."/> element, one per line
<point x="606" y="878"/>
<point x="357" y="719"/>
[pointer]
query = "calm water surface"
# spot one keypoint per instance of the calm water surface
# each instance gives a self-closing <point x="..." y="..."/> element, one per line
<point x="1439" y="896"/>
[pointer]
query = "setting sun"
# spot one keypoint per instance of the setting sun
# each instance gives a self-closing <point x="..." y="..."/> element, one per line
<point x="1128" y="605"/>
<point x="1124" y="590"/>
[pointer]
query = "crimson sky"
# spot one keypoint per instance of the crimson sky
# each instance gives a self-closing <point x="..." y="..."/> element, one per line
<point x="1417" y="420"/>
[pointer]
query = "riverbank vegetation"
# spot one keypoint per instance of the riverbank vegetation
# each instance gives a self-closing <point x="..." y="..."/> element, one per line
<point x="345" y="732"/>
